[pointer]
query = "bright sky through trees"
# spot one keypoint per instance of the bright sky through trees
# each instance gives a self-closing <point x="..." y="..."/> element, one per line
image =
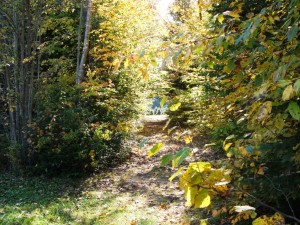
<point x="163" y="9"/>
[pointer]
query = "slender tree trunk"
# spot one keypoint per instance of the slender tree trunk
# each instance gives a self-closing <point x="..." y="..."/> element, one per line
<point x="200" y="9"/>
<point x="79" y="75"/>
<point x="79" y="37"/>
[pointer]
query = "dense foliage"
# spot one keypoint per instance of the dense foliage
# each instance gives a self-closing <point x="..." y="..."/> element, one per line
<point x="237" y="79"/>
<point x="74" y="127"/>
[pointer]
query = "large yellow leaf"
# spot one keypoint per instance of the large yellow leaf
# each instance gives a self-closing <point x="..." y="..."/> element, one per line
<point x="201" y="167"/>
<point x="190" y="194"/>
<point x="288" y="93"/>
<point x="202" y="200"/>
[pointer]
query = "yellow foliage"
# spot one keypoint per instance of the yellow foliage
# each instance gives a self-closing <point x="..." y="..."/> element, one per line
<point x="187" y="139"/>
<point x="227" y="146"/>
<point x="288" y="93"/>
<point x="276" y="219"/>
<point x="202" y="199"/>
<point x="190" y="194"/>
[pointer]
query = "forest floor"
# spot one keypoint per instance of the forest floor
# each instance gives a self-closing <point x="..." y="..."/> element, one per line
<point x="136" y="192"/>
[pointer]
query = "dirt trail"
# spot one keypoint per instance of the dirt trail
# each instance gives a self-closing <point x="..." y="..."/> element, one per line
<point x="140" y="187"/>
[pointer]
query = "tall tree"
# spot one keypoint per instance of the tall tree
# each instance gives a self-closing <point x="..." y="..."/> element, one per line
<point x="20" y="25"/>
<point x="81" y="66"/>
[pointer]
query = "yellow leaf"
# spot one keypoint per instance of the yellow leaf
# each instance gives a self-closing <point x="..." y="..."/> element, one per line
<point x="155" y="149"/>
<point x="261" y="171"/>
<point x="201" y="167"/>
<point x="202" y="200"/>
<point x="220" y="18"/>
<point x="103" y="214"/>
<point x="115" y="62"/>
<point x="188" y="139"/>
<point x="203" y="222"/>
<point x="252" y="164"/>
<point x="265" y="220"/>
<point x="126" y="63"/>
<point x="133" y="222"/>
<point x="190" y="194"/>
<point x="175" y="174"/>
<point x="271" y="19"/>
<point x="175" y="107"/>
<point x="243" y="151"/>
<point x="227" y="146"/>
<point x="144" y="73"/>
<point x="288" y="93"/>
<point x="229" y="154"/>
<point x="163" y="205"/>
<point x="215" y="213"/>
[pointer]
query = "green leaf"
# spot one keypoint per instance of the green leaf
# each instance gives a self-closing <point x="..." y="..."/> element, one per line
<point x="166" y="159"/>
<point x="180" y="156"/>
<point x="143" y="142"/>
<point x="153" y="62"/>
<point x="231" y="65"/>
<point x="294" y="110"/>
<point x="155" y="149"/>
<point x="202" y="200"/>
<point x="292" y="33"/>
<point x="297" y="86"/>
<point x="175" y="174"/>
<point x="175" y="107"/>
<point x="162" y="102"/>
<point x="283" y="83"/>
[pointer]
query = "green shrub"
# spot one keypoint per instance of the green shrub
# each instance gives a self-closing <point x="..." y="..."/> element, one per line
<point x="79" y="128"/>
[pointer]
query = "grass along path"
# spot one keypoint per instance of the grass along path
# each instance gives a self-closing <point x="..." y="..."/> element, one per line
<point x="137" y="192"/>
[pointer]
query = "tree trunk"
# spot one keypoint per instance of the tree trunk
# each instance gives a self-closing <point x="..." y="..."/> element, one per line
<point x="19" y="71"/>
<point x="79" y="37"/>
<point x="79" y="74"/>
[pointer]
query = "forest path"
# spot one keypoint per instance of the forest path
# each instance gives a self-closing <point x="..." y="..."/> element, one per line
<point x="138" y="191"/>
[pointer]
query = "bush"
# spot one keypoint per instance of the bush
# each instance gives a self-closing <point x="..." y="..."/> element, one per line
<point x="79" y="128"/>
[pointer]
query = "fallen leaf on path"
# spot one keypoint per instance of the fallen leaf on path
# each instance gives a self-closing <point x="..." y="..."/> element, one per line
<point x="103" y="214"/>
<point x="133" y="222"/>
